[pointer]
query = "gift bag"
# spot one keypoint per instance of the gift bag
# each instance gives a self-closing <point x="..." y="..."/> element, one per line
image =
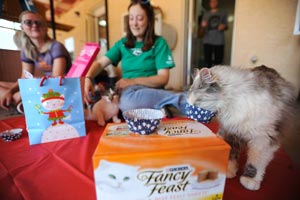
<point x="85" y="59"/>
<point x="53" y="108"/>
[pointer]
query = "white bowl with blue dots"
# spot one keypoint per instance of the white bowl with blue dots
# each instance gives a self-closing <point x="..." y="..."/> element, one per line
<point x="143" y="121"/>
<point x="199" y="114"/>
<point x="11" y="135"/>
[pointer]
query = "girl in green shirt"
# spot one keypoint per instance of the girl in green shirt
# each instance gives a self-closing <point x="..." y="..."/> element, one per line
<point x="146" y="62"/>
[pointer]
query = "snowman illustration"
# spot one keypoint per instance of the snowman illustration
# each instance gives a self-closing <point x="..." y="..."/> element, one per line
<point x="53" y="102"/>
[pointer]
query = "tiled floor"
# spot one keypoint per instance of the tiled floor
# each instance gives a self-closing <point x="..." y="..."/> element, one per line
<point x="291" y="142"/>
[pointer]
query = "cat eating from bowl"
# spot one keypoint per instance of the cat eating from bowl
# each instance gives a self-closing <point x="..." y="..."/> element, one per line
<point x="252" y="106"/>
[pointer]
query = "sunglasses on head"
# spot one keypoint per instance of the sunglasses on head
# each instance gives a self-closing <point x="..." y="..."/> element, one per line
<point x="141" y="1"/>
<point x="29" y="22"/>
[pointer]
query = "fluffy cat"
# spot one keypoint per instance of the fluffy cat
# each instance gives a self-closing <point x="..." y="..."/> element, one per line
<point x="252" y="106"/>
<point x="105" y="109"/>
<point x="115" y="181"/>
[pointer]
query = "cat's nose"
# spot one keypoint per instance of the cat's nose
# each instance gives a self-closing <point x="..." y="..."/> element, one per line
<point x="190" y="99"/>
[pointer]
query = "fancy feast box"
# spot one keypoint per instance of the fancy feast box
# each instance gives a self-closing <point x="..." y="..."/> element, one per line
<point x="183" y="159"/>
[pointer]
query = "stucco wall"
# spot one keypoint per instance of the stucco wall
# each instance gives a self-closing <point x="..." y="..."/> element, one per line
<point x="265" y="29"/>
<point x="83" y="23"/>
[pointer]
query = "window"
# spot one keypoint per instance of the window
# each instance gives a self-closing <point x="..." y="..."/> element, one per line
<point x="7" y="32"/>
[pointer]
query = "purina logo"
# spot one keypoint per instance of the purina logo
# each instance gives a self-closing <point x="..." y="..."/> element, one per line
<point x="173" y="179"/>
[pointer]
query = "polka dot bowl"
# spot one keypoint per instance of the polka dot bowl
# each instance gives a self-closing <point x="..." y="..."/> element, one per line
<point x="199" y="114"/>
<point x="143" y="121"/>
<point x="11" y="135"/>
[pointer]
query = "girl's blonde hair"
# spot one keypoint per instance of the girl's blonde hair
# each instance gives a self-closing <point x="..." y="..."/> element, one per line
<point x="27" y="45"/>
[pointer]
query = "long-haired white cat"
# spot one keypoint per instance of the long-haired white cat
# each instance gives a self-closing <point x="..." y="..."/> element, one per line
<point x="252" y="106"/>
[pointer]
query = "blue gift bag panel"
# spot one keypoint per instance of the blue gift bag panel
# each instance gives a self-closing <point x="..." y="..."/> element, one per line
<point x="53" y="111"/>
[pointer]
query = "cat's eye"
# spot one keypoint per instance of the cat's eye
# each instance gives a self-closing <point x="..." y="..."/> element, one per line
<point x="112" y="176"/>
<point x="126" y="178"/>
<point x="213" y="87"/>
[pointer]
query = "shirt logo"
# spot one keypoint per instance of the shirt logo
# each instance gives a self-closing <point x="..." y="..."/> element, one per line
<point x="170" y="60"/>
<point x="43" y="65"/>
<point x="137" y="51"/>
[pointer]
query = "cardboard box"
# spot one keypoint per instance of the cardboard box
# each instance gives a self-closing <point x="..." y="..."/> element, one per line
<point x="183" y="159"/>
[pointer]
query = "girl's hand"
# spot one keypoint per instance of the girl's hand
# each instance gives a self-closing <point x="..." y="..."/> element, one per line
<point x="6" y="100"/>
<point x="222" y="27"/>
<point x="124" y="83"/>
<point x="203" y="23"/>
<point x="88" y="90"/>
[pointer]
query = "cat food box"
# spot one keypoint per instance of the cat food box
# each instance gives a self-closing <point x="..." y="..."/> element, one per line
<point x="182" y="160"/>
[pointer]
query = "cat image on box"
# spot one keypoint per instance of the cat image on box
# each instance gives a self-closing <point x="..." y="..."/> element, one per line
<point x="105" y="109"/>
<point x="252" y="107"/>
<point x="115" y="181"/>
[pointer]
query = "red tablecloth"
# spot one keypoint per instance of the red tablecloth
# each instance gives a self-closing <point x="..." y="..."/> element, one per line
<point x="63" y="170"/>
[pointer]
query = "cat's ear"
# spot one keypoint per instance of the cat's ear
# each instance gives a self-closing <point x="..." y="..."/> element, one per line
<point x="111" y="91"/>
<point x="111" y="94"/>
<point x="195" y="72"/>
<point x="104" y="164"/>
<point x="206" y="76"/>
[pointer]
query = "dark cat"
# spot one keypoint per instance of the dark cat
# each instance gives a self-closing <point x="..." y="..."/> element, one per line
<point x="252" y="106"/>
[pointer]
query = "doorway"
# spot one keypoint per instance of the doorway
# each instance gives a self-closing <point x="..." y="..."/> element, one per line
<point x="101" y="27"/>
<point x="195" y="54"/>
<point x="108" y="76"/>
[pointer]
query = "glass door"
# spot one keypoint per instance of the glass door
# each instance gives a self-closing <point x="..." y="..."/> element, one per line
<point x="195" y="52"/>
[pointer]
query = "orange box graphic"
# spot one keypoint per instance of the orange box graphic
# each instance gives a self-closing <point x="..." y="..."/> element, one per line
<point x="183" y="159"/>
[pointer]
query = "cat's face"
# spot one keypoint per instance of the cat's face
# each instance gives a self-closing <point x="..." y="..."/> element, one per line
<point x="113" y="96"/>
<point x="205" y="91"/>
<point x="115" y="176"/>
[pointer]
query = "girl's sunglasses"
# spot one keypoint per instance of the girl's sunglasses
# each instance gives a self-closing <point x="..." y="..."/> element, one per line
<point x="29" y="22"/>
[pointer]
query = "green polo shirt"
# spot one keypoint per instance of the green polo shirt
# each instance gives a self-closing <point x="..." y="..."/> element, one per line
<point x="136" y="63"/>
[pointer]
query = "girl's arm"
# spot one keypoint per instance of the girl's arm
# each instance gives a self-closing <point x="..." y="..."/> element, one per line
<point x="158" y="81"/>
<point x="59" y="66"/>
<point x="7" y="98"/>
<point x="94" y="70"/>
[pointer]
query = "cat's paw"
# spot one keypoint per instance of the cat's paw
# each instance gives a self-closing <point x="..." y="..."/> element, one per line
<point x="232" y="169"/>
<point x="116" y="120"/>
<point x="250" y="183"/>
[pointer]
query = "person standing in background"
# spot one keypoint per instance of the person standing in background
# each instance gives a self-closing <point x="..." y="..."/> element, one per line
<point x="215" y="23"/>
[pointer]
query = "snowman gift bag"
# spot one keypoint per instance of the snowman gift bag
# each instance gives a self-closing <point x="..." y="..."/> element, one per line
<point x="53" y="108"/>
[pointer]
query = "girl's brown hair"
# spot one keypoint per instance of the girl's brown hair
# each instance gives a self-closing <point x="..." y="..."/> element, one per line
<point x="149" y="36"/>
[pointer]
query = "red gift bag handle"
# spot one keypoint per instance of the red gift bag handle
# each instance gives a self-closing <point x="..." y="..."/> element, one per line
<point x="46" y="77"/>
